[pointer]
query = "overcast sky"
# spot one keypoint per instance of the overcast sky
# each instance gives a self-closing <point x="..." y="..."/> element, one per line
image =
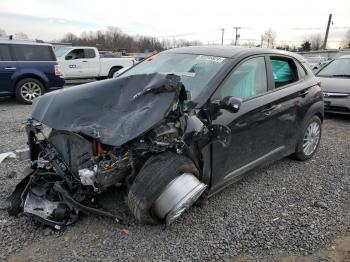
<point x="202" y="20"/>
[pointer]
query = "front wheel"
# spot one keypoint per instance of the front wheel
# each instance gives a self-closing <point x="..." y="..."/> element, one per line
<point x="164" y="188"/>
<point x="309" y="140"/>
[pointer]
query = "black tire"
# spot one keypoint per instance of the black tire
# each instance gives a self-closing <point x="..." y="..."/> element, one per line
<point x="112" y="71"/>
<point x="299" y="153"/>
<point x="26" y="82"/>
<point x="153" y="177"/>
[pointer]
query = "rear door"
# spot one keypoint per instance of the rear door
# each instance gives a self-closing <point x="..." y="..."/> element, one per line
<point x="75" y="64"/>
<point x="93" y="62"/>
<point x="7" y="68"/>
<point x="288" y="93"/>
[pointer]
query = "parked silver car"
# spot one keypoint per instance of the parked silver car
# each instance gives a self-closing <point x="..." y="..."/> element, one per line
<point x="335" y="84"/>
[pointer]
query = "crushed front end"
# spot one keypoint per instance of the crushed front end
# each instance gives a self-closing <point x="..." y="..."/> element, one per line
<point x="99" y="137"/>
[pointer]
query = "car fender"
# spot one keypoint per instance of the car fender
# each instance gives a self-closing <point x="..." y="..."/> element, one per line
<point x="30" y="73"/>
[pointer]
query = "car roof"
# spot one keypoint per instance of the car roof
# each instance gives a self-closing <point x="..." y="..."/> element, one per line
<point x="231" y="51"/>
<point x="22" y="42"/>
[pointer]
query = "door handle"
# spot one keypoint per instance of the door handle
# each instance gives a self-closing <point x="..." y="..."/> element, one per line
<point x="10" y="68"/>
<point x="304" y="92"/>
<point x="84" y="61"/>
<point x="267" y="110"/>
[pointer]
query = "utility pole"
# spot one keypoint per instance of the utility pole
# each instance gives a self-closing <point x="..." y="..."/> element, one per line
<point x="222" y="35"/>
<point x="237" y="35"/>
<point x="327" y="31"/>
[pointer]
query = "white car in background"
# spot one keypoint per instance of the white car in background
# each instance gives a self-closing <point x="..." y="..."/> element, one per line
<point x="86" y="62"/>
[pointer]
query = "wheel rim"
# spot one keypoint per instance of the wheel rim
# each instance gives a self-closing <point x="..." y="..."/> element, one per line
<point x="30" y="90"/>
<point x="178" y="196"/>
<point x="311" y="138"/>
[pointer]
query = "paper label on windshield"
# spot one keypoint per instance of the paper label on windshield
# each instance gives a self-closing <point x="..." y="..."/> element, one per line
<point x="210" y="58"/>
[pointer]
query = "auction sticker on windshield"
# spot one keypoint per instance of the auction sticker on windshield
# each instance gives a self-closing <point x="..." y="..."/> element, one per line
<point x="210" y="58"/>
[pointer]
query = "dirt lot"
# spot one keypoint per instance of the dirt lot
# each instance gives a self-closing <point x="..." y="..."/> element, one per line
<point x="268" y="216"/>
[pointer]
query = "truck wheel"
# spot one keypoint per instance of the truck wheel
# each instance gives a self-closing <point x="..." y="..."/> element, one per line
<point x="27" y="89"/>
<point x="112" y="71"/>
<point x="309" y="139"/>
<point x="164" y="188"/>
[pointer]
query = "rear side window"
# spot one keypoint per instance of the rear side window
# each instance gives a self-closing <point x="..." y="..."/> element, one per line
<point x="247" y="80"/>
<point x="34" y="53"/>
<point x="284" y="71"/>
<point x="75" y="54"/>
<point x="90" y="53"/>
<point x="5" y="54"/>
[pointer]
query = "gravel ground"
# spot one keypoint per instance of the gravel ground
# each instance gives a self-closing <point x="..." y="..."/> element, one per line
<point x="268" y="216"/>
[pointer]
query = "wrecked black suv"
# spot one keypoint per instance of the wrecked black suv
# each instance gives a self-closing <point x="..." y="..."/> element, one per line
<point x="182" y="124"/>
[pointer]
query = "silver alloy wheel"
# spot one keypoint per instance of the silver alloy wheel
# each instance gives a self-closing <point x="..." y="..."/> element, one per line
<point x="311" y="138"/>
<point x="178" y="196"/>
<point x="30" y="90"/>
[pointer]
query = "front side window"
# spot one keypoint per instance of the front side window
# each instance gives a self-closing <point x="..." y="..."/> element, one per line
<point x="337" y="68"/>
<point x="284" y="71"/>
<point x="196" y="71"/>
<point x="34" y="53"/>
<point x="5" y="54"/>
<point x="248" y="80"/>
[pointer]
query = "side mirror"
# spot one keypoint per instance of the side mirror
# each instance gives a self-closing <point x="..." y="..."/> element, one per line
<point x="68" y="57"/>
<point x="230" y="103"/>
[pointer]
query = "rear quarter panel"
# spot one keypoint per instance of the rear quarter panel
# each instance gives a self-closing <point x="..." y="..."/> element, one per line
<point x="43" y="71"/>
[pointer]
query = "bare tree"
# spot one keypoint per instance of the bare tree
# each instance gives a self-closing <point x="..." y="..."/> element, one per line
<point x="2" y="33"/>
<point x="21" y="35"/>
<point x="114" y="39"/>
<point x="70" y="38"/>
<point x="268" y="38"/>
<point x="346" y="41"/>
<point x="316" y="42"/>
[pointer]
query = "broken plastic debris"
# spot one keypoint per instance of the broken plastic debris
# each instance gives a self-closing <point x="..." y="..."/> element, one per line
<point x="4" y="156"/>
<point x="20" y="154"/>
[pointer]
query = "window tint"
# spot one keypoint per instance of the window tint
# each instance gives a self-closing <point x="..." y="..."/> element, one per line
<point x="5" y="54"/>
<point x="248" y="80"/>
<point x="284" y="71"/>
<point x="90" y="53"/>
<point x="75" y="54"/>
<point x="34" y="53"/>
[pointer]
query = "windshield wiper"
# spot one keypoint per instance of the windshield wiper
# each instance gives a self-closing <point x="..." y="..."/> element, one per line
<point x="340" y="75"/>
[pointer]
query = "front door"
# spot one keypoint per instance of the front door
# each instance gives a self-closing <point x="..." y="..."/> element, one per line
<point x="252" y="139"/>
<point x="75" y="65"/>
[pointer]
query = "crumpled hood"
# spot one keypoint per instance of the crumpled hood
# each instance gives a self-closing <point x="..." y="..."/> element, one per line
<point x="113" y="111"/>
<point x="335" y="84"/>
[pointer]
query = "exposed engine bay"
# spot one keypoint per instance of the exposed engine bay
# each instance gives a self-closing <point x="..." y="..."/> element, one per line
<point x="101" y="135"/>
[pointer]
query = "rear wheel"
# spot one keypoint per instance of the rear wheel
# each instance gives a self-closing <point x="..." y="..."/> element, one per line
<point x="28" y="89"/>
<point x="164" y="188"/>
<point x="309" y="140"/>
<point x="112" y="71"/>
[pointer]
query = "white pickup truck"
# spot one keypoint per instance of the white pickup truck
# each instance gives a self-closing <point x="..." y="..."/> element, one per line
<point x="85" y="62"/>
